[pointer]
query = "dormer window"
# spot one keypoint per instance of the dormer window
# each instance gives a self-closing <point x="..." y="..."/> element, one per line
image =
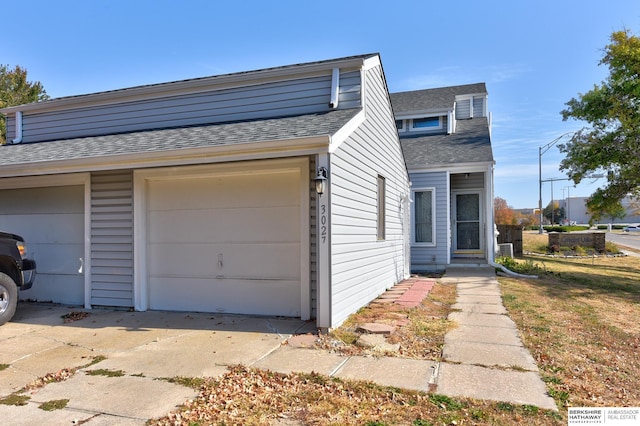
<point x="400" y="125"/>
<point x="426" y="123"/>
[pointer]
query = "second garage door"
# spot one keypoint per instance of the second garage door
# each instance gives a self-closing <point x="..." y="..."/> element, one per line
<point x="51" y="220"/>
<point x="225" y="243"/>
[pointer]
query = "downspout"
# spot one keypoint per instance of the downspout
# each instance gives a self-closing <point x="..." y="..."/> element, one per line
<point x="511" y="273"/>
<point x="18" y="138"/>
<point x="335" y="88"/>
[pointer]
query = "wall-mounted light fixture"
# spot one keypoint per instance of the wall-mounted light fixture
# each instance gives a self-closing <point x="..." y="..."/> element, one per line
<point x="321" y="180"/>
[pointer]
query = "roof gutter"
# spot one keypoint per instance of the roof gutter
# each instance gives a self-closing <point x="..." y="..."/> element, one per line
<point x="180" y="157"/>
<point x="18" y="138"/>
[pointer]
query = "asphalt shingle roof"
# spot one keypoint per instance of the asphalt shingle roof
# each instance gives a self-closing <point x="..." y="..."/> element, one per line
<point x="441" y="98"/>
<point x="470" y="144"/>
<point x="175" y="139"/>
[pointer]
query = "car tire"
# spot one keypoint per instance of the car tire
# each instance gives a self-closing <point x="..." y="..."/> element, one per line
<point x="8" y="298"/>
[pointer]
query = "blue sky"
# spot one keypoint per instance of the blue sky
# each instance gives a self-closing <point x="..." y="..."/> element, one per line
<point x="533" y="55"/>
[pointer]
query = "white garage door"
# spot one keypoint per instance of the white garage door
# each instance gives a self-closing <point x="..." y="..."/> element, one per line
<point x="51" y="220"/>
<point x="225" y="243"/>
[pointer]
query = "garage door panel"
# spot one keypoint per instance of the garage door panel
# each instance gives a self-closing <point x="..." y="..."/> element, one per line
<point x="49" y="200"/>
<point x="225" y="192"/>
<point x="266" y="261"/>
<point x="263" y="261"/>
<point x="226" y="295"/>
<point x="225" y="244"/>
<point x="58" y="288"/>
<point x="229" y="225"/>
<point x="45" y="228"/>
<point x="51" y="260"/>
<point x="51" y="220"/>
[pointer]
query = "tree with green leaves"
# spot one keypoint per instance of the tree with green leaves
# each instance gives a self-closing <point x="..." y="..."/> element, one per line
<point x="612" y="212"/>
<point x="15" y="89"/>
<point x="611" y="142"/>
<point x="554" y="213"/>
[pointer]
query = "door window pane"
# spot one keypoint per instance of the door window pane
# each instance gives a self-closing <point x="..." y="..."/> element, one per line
<point x="468" y="234"/>
<point x="467" y="207"/>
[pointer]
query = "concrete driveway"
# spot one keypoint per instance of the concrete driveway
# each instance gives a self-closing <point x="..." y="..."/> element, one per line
<point x="144" y="346"/>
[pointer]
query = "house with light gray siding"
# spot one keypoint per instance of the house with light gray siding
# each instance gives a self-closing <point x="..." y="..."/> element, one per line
<point x="280" y="191"/>
<point x="445" y="134"/>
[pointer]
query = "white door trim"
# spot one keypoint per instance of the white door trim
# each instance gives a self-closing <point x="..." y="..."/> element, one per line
<point x="141" y="177"/>
<point x="481" y="225"/>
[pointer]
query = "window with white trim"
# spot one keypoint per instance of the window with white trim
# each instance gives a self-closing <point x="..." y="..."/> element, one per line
<point x="424" y="222"/>
<point x="426" y="123"/>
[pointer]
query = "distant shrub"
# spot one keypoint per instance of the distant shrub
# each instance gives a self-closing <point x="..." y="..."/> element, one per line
<point x="565" y="228"/>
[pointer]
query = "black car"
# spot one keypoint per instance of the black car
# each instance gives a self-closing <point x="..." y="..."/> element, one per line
<point x="17" y="272"/>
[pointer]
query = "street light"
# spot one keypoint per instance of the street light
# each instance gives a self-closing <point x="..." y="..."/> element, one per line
<point x="542" y="150"/>
<point x="568" y="202"/>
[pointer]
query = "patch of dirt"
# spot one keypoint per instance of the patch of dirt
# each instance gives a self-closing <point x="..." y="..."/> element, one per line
<point x="419" y="331"/>
<point x="75" y="316"/>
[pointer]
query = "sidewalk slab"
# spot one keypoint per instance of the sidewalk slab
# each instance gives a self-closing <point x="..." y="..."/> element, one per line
<point x="299" y="360"/>
<point x="494" y="299"/>
<point x="474" y="288"/>
<point x="194" y="353"/>
<point x="485" y="320"/>
<point x="144" y="398"/>
<point x="402" y="373"/>
<point x="480" y="308"/>
<point x="472" y="381"/>
<point x="30" y="414"/>
<point x="480" y="334"/>
<point x="489" y="355"/>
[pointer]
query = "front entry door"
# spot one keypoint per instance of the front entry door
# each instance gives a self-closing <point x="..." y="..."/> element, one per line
<point x="467" y="232"/>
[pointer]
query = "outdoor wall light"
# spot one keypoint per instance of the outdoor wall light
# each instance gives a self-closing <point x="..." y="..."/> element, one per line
<point x="321" y="180"/>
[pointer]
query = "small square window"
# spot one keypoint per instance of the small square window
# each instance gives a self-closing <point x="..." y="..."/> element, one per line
<point x="399" y="124"/>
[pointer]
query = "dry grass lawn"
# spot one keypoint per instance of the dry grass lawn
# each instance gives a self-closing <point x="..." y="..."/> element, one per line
<point x="581" y="323"/>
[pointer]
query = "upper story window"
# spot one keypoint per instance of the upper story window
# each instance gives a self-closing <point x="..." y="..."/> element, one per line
<point x="400" y="125"/>
<point x="427" y="123"/>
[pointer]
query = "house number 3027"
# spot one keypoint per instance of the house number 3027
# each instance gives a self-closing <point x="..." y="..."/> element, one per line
<point x="323" y="223"/>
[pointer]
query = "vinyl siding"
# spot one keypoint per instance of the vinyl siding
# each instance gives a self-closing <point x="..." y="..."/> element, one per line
<point x="428" y="258"/>
<point x="274" y="99"/>
<point x="363" y="267"/>
<point x="313" y="253"/>
<point x="460" y="181"/>
<point x="112" y="238"/>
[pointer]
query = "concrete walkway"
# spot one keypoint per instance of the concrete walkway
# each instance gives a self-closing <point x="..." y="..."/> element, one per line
<point x="484" y="357"/>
